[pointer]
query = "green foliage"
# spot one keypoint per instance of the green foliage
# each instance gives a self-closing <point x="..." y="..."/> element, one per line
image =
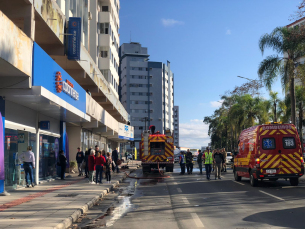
<point x="73" y="164"/>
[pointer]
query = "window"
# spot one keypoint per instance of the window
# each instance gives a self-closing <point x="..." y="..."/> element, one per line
<point x="268" y="143"/>
<point x="105" y="8"/>
<point x="140" y="69"/>
<point x="289" y="143"/>
<point x="104" y="28"/>
<point x="104" y="54"/>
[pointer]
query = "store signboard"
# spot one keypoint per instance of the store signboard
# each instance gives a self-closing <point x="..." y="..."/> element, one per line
<point x="74" y="38"/>
<point x="126" y="132"/>
<point x="48" y="74"/>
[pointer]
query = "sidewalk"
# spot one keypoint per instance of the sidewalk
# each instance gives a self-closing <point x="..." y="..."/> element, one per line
<point x="54" y="204"/>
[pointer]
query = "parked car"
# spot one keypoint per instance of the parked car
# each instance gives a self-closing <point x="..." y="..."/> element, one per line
<point x="229" y="158"/>
<point x="129" y="156"/>
<point x="176" y="158"/>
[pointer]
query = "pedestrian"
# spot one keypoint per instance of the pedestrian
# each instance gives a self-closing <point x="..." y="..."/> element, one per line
<point x="213" y="161"/>
<point x="224" y="153"/>
<point x="108" y="168"/>
<point x="189" y="162"/>
<point x="208" y="161"/>
<point x="91" y="167"/>
<point x="80" y="157"/>
<point x="126" y="154"/>
<point x="219" y="161"/>
<point x="87" y="154"/>
<point x="182" y="163"/>
<point x="115" y="158"/>
<point x="104" y="154"/>
<point x="29" y="165"/>
<point x="99" y="164"/>
<point x="62" y="163"/>
<point x="199" y="161"/>
<point x="97" y="149"/>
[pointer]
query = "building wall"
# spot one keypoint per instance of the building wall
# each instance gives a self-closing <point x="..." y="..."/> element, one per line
<point x="176" y="126"/>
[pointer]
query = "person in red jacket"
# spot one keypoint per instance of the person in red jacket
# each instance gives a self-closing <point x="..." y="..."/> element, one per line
<point x="99" y="163"/>
<point x="91" y="166"/>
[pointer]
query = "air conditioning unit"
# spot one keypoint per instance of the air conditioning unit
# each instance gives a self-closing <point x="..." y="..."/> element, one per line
<point x="89" y="16"/>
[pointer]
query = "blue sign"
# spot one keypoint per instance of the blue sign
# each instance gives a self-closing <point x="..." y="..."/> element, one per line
<point x="44" y="125"/>
<point x="74" y="38"/>
<point x="48" y="74"/>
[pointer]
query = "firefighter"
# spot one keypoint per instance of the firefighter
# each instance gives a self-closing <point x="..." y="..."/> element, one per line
<point x="189" y="162"/>
<point x="182" y="163"/>
<point x="208" y="161"/>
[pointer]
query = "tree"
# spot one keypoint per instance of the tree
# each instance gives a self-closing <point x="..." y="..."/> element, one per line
<point x="290" y="48"/>
<point x="274" y="100"/>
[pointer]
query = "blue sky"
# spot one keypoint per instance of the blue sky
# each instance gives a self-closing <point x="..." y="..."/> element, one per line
<point x="209" y="43"/>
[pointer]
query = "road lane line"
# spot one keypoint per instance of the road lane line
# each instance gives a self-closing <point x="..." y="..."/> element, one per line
<point x="197" y="220"/>
<point x="185" y="200"/>
<point x="238" y="182"/>
<point x="175" y="183"/>
<point x="272" y="195"/>
<point x="293" y="187"/>
<point x="179" y="190"/>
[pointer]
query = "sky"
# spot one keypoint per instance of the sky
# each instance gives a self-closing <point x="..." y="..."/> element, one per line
<point x="209" y="43"/>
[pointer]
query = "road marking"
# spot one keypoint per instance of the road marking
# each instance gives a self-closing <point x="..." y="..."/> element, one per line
<point x="238" y="182"/>
<point x="233" y="192"/>
<point x="179" y="190"/>
<point x="175" y="183"/>
<point x="293" y="187"/>
<point x="185" y="200"/>
<point x="197" y="220"/>
<point x="272" y="195"/>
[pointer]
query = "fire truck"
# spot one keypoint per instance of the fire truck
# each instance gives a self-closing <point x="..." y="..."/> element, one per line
<point x="269" y="151"/>
<point x="157" y="150"/>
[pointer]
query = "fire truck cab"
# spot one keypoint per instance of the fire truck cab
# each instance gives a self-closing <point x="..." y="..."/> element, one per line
<point x="270" y="151"/>
<point x="157" y="150"/>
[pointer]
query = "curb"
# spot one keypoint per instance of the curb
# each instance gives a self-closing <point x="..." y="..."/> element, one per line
<point x="75" y="215"/>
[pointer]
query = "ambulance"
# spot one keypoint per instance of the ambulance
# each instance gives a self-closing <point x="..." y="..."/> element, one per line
<point x="269" y="152"/>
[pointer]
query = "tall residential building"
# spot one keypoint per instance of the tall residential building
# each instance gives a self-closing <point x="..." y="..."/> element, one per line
<point x="176" y="126"/>
<point x="104" y="39"/>
<point x="147" y="89"/>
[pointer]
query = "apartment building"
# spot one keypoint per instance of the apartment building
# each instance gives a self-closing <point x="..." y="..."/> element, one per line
<point x="57" y="91"/>
<point x="176" y="126"/>
<point x="147" y="89"/>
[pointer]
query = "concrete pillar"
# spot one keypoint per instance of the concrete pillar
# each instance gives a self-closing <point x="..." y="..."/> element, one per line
<point x="29" y="22"/>
<point x="74" y="133"/>
<point x="37" y="150"/>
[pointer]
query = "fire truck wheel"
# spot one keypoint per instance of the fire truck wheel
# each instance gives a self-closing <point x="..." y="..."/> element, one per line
<point x="236" y="177"/>
<point x="253" y="181"/>
<point x="294" y="181"/>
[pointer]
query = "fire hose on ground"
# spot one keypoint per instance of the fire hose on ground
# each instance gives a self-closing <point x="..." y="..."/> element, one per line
<point x="149" y="177"/>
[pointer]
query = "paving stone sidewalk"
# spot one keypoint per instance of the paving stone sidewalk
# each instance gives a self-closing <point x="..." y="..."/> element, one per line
<point x="54" y="204"/>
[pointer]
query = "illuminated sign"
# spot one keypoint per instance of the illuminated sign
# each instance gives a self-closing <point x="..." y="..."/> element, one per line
<point x="65" y="86"/>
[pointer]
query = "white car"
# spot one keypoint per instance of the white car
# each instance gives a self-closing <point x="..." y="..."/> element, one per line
<point x="176" y="159"/>
<point x="229" y="157"/>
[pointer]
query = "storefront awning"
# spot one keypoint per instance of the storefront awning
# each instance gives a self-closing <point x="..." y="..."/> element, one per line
<point x="40" y="99"/>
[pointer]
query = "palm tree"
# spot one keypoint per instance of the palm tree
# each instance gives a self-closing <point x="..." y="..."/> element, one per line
<point x="290" y="48"/>
<point x="274" y="99"/>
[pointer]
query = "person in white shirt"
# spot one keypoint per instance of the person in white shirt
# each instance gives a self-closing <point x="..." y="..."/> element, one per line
<point x="29" y="165"/>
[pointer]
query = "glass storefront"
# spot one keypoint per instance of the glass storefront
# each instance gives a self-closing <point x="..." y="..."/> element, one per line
<point x="89" y="139"/>
<point x="16" y="142"/>
<point x="48" y="153"/>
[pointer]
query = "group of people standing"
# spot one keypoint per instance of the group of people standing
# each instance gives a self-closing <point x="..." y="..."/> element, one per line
<point x="215" y="160"/>
<point x="94" y="162"/>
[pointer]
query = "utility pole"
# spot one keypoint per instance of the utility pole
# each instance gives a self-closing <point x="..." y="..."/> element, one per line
<point x="145" y="119"/>
<point x="301" y="123"/>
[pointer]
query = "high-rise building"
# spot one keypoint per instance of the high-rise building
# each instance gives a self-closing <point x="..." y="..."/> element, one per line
<point x="176" y="126"/>
<point x="105" y="40"/>
<point x="147" y="89"/>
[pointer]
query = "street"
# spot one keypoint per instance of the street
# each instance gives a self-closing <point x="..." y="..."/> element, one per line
<point x="190" y="201"/>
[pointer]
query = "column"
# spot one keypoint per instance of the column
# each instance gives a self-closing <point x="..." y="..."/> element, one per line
<point x="37" y="150"/>
<point x="2" y="136"/>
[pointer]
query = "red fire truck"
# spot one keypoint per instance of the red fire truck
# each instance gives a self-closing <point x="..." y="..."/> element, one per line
<point x="157" y="150"/>
<point x="270" y="151"/>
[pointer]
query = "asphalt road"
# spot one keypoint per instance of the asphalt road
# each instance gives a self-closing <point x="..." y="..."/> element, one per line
<point x="190" y="201"/>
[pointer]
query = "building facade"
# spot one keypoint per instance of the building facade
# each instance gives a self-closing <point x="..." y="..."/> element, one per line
<point x="147" y="89"/>
<point x="176" y="126"/>
<point x="53" y="94"/>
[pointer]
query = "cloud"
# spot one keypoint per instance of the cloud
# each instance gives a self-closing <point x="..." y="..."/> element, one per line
<point x="171" y="22"/>
<point x="194" y="134"/>
<point x="228" y="32"/>
<point x="216" y="104"/>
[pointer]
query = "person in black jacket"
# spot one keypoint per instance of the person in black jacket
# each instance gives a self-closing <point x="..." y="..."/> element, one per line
<point x="115" y="158"/>
<point x="62" y="162"/>
<point x="218" y="161"/>
<point x="87" y="154"/>
<point x="80" y="159"/>
<point x="189" y="162"/>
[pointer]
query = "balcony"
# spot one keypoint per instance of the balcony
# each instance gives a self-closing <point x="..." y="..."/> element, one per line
<point x="103" y="63"/>
<point x="104" y="40"/>
<point x="104" y="17"/>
